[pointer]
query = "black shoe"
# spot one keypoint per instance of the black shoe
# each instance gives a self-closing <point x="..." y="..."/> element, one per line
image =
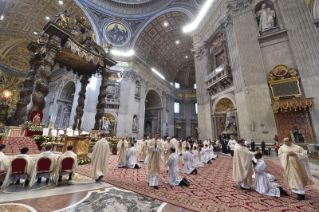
<point x="27" y="182"/>
<point x="99" y="179"/>
<point x="247" y="189"/>
<point x="167" y="171"/>
<point x="212" y="159"/>
<point x="39" y="180"/>
<point x="301" y="197"/>
<point x="283" y="192"/>
<point x="60" y="179"/>
<point x="70" y="176"/>
<point x="156" y="187"/>
<point x="275" y="180"/>
<point x="194" y="171"/>
<point x="209" y="162"/>
<point x="17" y="182"/>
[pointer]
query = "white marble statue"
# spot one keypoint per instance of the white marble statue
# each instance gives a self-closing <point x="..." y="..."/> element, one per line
<point x="135" y="123"/>
<point x="106" y="124"/>
<point x="262" y="16"/>
<point x="270" y="18"/>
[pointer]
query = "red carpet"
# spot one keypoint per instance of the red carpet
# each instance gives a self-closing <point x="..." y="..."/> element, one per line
<point x="211" y="190"/>
<point x="15" y="144"/>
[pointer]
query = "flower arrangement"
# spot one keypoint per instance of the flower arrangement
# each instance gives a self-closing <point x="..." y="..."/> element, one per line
<point x="48" y="138"/>
<point x="29" y="126"/>
<point x="84" y="161"/>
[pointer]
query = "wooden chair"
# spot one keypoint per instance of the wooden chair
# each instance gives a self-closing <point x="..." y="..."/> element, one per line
<point x="43" y="166"/>
<point x="66" y="167"/>
<point x="19" y="167"/>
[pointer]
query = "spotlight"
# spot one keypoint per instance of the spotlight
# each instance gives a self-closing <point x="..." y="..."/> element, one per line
<point x="48" y="18"/>
<point x="186" y="56"/>
<point x="1" y="17"/>
<point x="35" y="33"/>
<point x="165" y="24"/>
<point x="177" y="42"/>
<point x="60" y="2"/>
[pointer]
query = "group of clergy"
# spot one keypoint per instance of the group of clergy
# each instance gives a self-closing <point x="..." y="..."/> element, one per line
<point x="32" y="166"/>
<point x="60" y="132"/>
<point x="293" y="158"/>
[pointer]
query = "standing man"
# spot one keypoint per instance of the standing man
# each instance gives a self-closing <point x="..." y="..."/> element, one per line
<point x="231" y="145"/>
<point x="154" y="151"/>
<point x="297" y="174"/>
<point x="242" y="168"/>
<point x="100" y="158"/>
<point x="122" y="146"/>
<point x="142" y="147"/>
<point x="252" y="145"/>
<point x="263" y="147"/>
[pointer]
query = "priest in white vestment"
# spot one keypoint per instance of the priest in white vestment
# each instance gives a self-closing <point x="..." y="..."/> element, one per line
<point x="188" y="169"/>
<point x="146" y="155"/>
<point x="231" y="144"/>
<point x="166" y="153"/>
<point x="69" y="131"/>
<point x="197" y="163"/>
<point x="242" y="165"/>
<point x="54" y="132"/>
<point x="176" y="144"/>
<point x="30" y="163"/>
<point x="76" y="133"/>
<point x="100" y="158"/>
<point x="46" y="154"/>
<point x="142" y="147"/>
<point x="131" y="158"/>
<point x="122" y="147"/>
<point x="154" y="151"/>
<point x="173" y="172"/>
<point x="297" y="173"/>
<point x="211" y="150"/>
<point x="262" y="183"/>
<point x="207" y="154"/>
<point x="61" y="132"/>
<point x="184" y="145"/>
<point x="202" y="155"/>
<point x="4" y="161"/>
<point x="195" y="145"/>
<point x="68" y="154"/>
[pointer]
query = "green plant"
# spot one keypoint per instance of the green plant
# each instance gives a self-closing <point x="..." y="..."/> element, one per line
<point x="29" y="126"/>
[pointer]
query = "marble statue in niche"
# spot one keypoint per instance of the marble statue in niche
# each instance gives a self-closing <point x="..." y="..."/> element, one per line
<point x="135" y="124"/>
<point x="106" y="124"/>
<point x="266" y="18"/>
<point x="230" y="125"/>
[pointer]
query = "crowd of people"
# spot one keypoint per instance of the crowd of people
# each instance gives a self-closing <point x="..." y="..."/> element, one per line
<point x="195" y="154"/>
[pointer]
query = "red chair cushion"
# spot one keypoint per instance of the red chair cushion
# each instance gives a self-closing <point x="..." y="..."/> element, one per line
<point x="2" y="171"/>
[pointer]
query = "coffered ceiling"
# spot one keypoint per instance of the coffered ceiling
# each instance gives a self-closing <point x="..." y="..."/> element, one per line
<point x="163" y="45"/>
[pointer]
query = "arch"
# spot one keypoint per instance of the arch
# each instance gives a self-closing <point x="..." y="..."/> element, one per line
<point x="153" y="99"/>
<point x="229" y="96"/>
<point x="68" y="91"/>
<point x="172" y="9"/>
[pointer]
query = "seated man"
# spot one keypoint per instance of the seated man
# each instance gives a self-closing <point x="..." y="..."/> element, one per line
<point x="23" y="155"/>
<point x="131" y="158"/>
<point x="173" y="172"/>
<point x="46" y="154"/>
<point x="262" y="183"/>
<point x="4" y="162"/>
<point x="67" y="154"/>
<point x="187" y="169"/>
<point x="196" y="162"/>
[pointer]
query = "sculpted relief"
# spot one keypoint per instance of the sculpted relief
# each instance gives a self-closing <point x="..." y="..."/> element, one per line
<point x="266" y="17"/>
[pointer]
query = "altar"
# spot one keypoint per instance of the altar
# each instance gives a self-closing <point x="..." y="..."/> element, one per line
<point x="80" y="145"/>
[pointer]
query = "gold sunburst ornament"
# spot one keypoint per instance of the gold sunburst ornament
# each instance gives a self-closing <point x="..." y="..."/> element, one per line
<point x="7" y="94"/>
<point x="10" y="90"/>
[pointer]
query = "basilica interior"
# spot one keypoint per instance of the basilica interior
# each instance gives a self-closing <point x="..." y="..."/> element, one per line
<point x="205" y="69"/>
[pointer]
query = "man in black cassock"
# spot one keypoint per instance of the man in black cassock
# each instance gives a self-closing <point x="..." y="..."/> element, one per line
<point x="252" y="145"/>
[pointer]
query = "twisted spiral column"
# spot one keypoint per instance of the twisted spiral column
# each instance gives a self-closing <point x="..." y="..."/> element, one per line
<point x="101" y="98"/>
<point x="25" y="94"/>
<point x="42" y="83"/>
<point x="79" y="109"/>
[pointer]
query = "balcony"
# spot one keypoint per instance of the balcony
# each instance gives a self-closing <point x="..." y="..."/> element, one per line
<point x="219" y="80"/>
<point x="112" y="103"/>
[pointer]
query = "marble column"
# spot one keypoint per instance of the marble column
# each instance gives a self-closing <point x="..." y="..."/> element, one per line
<point x="304" y="42"/>
<point x="253" y="99"/>
<point x="79" y="109"/>
<point x="203" y="99"/>
<point x="141" y="119"/>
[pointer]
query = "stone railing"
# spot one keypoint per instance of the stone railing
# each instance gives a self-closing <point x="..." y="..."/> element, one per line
<point x="219" y="80"/>
<point x="112" y="103"/>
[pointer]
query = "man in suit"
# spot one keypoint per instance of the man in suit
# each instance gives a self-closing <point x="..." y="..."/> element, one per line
<point x="263" y="147"/>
